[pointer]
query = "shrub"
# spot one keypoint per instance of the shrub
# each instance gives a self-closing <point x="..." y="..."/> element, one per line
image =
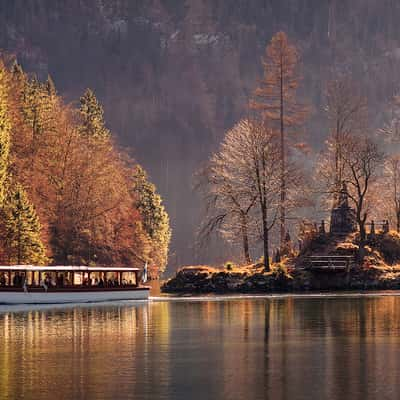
<point x="229" y="265"/>
<point x="280" y="269"/>
<point x="389" y="246"/>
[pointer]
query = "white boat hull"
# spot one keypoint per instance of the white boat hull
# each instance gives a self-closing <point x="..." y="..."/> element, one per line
<point x="64" y="297"/>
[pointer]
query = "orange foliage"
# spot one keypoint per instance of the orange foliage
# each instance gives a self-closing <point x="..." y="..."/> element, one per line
<point x="80" y="186"/>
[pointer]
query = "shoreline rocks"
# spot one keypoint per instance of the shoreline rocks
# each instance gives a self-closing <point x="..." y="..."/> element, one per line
<point x="201" y="281"/>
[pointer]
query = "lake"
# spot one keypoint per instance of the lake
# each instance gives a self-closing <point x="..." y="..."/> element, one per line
<point x="274" y="348"/>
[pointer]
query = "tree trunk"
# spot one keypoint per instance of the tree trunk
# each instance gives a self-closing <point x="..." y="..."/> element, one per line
<point x="363" y="235"/>
<point x="245" y="237"/>
<point x="265" y="238"/>
<point x="283" y="182"/>
<point x="19" y="238"/>
<point x="362" y="220"/>
<point x="398" y="221"/>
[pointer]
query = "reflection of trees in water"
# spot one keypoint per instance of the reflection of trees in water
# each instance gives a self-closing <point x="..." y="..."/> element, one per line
<point x="265" y="348"/>
<point x="349" y="345"/>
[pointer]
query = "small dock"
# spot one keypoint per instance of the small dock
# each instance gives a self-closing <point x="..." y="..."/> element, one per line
<point x="330" y="263"/>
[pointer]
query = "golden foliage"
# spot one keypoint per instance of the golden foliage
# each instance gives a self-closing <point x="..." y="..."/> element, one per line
<point x="80" y="185"/>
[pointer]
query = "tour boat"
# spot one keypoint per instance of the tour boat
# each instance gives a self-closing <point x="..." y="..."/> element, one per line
<point x="28" y="284"/>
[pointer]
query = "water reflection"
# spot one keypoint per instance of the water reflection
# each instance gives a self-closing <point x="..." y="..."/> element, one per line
<point x="240" y="349"/>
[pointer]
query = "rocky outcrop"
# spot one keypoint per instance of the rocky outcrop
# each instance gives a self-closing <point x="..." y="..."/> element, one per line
<point x="189" y="281"/>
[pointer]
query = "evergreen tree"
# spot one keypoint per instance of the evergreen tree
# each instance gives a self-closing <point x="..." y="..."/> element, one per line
<point x="5" y="127"/>
<point x="21" y="235"/>
<point x="38" y="103"/>
<point x="155" y="218"/>
<point x="51" y="87"/>
<point x="17" y="86"/>
<point x="92" y="115"/>
<point x="16" y="70"/>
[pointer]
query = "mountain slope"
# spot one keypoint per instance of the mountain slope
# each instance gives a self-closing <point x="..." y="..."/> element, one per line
<point x="173" y="75"/>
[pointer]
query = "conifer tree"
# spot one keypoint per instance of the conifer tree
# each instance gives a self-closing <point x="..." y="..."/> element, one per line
<point x="17" y="72"/>
<point x="50" y="86"/>
<point x="17" y="84"/>
<point x="21" y="235"/>
<point x="38" y="103"/>
<point x="276" y="99"/>
<point x="92" y="115"/>
<point x="155" y="218"/>
<point x="5" y="127"/>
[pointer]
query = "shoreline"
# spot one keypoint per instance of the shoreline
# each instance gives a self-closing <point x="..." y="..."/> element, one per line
<point x="204" y="281"/>
<point x="265" y="296"/>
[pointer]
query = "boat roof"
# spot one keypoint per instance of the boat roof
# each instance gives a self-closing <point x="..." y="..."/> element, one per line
<point x="65" y="268"/>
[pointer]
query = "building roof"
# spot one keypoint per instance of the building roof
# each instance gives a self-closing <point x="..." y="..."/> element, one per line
<point x="64" y="268"/>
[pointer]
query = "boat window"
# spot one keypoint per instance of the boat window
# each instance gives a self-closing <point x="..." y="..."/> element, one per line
<point x="33" y="278"/>
<point x="78" y="279"/>
<point x="4" y="278"/>
<point x="129" y="278"/>
<point x="17" y="278"/>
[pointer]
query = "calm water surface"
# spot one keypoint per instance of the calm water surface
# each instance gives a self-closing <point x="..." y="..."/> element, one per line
<point x="280" y="348"/>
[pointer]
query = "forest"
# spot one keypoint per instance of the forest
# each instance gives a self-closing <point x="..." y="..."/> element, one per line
<point x="69" y="195"/>
<point x="265" y="184"/>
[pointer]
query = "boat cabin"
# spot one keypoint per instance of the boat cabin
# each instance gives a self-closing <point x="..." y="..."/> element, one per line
<point x="29" y="277"/>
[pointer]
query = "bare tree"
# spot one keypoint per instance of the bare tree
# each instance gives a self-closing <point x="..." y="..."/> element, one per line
<point x="263" y="156"/>
<point x="389" y="187"/>
<point x="391" y="129"/>
<point x="389" y="190"/>
<point x="248" y="156"/>
<point x="361" y="159"/>
<point x="276" y="99"/>
<point x="244" y="183"/>
<point x="346" y="110"/>
<point x="228" y="207"/>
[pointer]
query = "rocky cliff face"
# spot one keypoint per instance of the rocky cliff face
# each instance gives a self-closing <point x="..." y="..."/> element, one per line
<point x="173" y="75"/>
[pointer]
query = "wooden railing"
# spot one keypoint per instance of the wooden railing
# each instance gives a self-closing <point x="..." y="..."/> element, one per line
<point x="333" y="263"/>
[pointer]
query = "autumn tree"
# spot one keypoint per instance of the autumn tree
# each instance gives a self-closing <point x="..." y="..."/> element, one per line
<point x="21" y="230"/>
<point x="76" y="178"/>
<point x="5" y="127"/>
<point x="276" y="99"/>
<point x="88" y="188"/>
<point x="154" y="217"/>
